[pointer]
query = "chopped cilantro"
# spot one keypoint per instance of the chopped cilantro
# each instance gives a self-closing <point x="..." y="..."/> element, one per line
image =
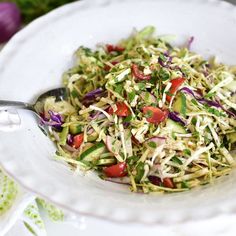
<point x="210" y="95"/>
<point x="141" y="86"/>
<point x="131" y="96"/>
<point x="184" y="184"/>
<point x="128" y="118"/>
<point x="176" y="160"/>
<point x="152" y="144"/>
<point x="119" y="88"/>
<point x="164" y="74"/>
<point x="187" y="152"/>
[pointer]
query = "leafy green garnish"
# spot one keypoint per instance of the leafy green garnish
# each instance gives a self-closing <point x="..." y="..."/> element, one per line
<point x="194" y="102"/>
<point x="184" y="184"/>
<point x="141" y="86"/>
<point x="187" y="152"/>
<point x="214" y="111"/>
<point x="74" y="93"/>
<point x="164" y="74"/>
<point x="119" y="88"/>
<point x="128" y="118"/>
<point x="131" y="96"/>
<point x="139" y="172"/>
<point x="194" y="120"/>
<point x="152" y="144"/>
<point x="162" y="57"/>
<point x="176" y="160"/>
<point x="210" y="95"/>
<point x="132" y="160"/>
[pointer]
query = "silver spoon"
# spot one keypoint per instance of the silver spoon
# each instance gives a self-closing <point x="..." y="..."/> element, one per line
<point x="60" y="94"/>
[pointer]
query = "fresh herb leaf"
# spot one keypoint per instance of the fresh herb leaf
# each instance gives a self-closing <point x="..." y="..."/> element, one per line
<point x="132" y="160"/>
<point x="139" y="172"/>
<point x="210" y="95"/>
<point x="131" y="96"/>
<point x="176" y="160"/>
<point x="152" y="144"/>
<point x="194" y="102"/>
<point x="119" y="89"/>
<point x="214" y="111"/>
<point x="184" y="184"/>
<point x="162" y="57"/>
<point x="169" y="93"/>
<point x="173" y="135"/>
<point x="187" y="152"/>
<point x="196" y="134"/>
<point x="153" y="79"/>
<point x="155" y="92"/>
<point x="141" y="86"/>
<point x="164" y="74"/>
<point x="128" y="118"/>
<point x="194" y="121"/>
<point x="74" y="93"/>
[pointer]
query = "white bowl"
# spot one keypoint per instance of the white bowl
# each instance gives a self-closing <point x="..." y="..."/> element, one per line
<point x="33" y="62"/>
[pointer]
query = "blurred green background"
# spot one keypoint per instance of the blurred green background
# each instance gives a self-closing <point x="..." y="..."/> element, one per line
<point x="31" y="9"/>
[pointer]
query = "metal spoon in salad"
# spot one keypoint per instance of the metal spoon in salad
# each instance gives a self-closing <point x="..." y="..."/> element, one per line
<point x="59" y="94"/>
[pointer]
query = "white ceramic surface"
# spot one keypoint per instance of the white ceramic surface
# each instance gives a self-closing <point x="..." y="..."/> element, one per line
<point x="8" y="219"/>
<point x="33" y="62"/>
<point x="223" y="225"/>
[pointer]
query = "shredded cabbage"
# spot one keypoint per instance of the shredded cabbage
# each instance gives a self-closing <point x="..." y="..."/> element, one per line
<point x="165" y="111"/>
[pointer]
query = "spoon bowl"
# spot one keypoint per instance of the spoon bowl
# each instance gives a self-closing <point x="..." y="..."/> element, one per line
<point x="60" y="94"/>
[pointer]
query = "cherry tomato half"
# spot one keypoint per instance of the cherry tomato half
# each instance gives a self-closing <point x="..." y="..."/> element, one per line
<point x="122" y="109"/>
<point x="138" y="74"/>
<point x="77" y="140"/>
<point x="116" y="171"/>
<point x="167" y="182"/>
<point x="114" y="48"/>
<point x="175" y="84"/>
<point x="154" y="114"/>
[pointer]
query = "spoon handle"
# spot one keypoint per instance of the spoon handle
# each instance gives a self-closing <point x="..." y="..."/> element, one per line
<point x="4" y="104"/>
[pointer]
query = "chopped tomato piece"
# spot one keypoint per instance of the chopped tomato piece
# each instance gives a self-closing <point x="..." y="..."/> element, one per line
<point x="114" y="62"/>
<point x="114" y="48"/>
<point x="138" y="74"/>
<point x="154" y="114"/>
<point x="116" y="171"/>
<point x="107" y="68"/>
<point x="122" y="109"/>
<point x="175" y="84"/>
<point x="77" y="140"/>
<point x="167" y="182"/>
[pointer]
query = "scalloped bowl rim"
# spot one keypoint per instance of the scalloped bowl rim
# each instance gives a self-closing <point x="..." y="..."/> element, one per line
<point x="89" y="206"/>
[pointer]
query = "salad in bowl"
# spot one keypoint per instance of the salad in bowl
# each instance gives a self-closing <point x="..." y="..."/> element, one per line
<point x="146" y="114"/>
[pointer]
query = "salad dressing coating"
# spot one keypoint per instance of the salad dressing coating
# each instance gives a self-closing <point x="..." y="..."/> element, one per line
<point x="144" y="113"/>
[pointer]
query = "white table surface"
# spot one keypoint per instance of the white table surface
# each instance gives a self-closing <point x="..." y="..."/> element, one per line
<point x="220" y="226"/>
